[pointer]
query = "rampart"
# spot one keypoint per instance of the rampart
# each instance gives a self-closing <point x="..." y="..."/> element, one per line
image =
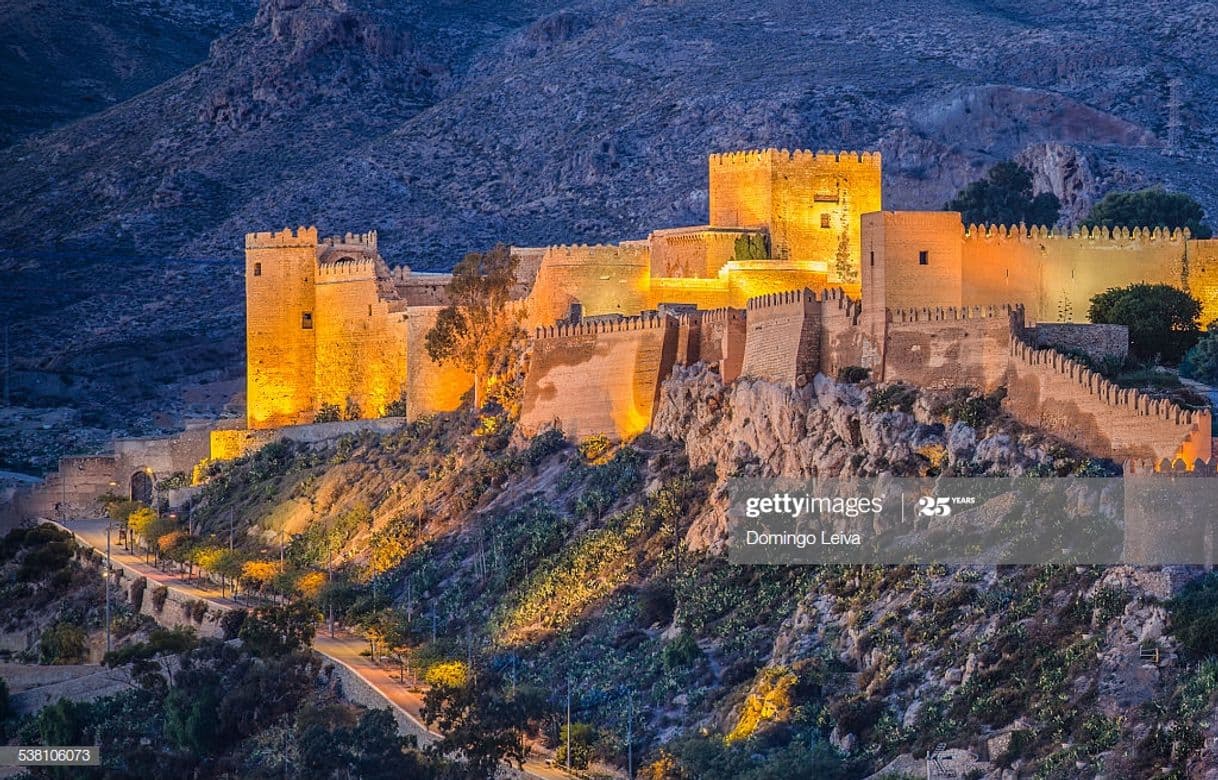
<point x="600" y="377"/>
<point x="1052" y="391"/>
<point x="950" y="347"/>
<point x="783" y="337"/>
<point x="605" y="279"/>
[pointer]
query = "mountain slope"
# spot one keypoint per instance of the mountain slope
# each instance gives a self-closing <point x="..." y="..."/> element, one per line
<point x="451" y="126"/>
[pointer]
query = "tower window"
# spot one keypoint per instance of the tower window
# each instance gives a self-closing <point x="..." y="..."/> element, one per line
<point x="923" y="257"/>
<point x="824" y="220"/>
<point x="257" y="269"/>
<point x="306" y="320"/>
<point x="873" y="257"/>
<point x="370" y="310"/>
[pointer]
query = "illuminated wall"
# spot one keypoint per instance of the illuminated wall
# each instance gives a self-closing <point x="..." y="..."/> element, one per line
<point x="598" y="377"/>
<point x="280" y="270"/>
<point x="361" y="339"/>
<point x="809" y="202"/>
<point x="928" y="259"/>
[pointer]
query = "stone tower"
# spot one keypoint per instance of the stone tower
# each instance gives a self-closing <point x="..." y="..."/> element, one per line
<point x="810" y="202"/>
<point x="280" y="336"/>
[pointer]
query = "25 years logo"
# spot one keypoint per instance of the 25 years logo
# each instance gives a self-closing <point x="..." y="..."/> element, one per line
<point x="941" y="506"/>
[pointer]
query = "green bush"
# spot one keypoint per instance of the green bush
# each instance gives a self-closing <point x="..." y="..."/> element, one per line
<point x="977" y="411"/>
<point x="1005" y="197"/>
<point x="544" y="444"/>
<point x="231" y="622"/>
<point x="1162" y="320"/>
<point x="894" y="397"/>
<point x="1201" y="362"/>
<point x="680" y="653"/>
<point x="583" y="735"/>
<point x="595" y="447"/>
<point x="63" y="643"/>
<point x="1194" y="616"/>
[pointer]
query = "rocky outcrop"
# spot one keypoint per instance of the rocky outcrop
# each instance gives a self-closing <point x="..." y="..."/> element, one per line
<point x="827" y="429"/>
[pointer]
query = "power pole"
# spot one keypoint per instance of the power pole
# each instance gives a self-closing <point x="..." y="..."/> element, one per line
<point x="568" y="724"/>
<point x="232" y="526"/>
<point x="630" y="735"/>
<point x="106" y="579"/>
<point x="330" y="577"/>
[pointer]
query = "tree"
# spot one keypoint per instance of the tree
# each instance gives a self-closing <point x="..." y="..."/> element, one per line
<point x="1162" y="320"/>
<point x="276" y="631"/>
<point x="190" y="717"/>
<point x="1004" y="197"/>
<point x="259" y="573"/>
<point x="140" y="522"/>
<point x="63" y="643"/>
<point x="1149" y="208"/>
<point x="482" y="722"/>
<point x="476" y="329"/>
<point x="1201" y="362"/>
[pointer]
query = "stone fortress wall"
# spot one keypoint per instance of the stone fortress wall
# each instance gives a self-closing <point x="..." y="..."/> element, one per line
<point x="598" y="377"/>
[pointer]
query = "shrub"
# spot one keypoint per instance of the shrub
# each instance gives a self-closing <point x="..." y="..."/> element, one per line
<point x="138" y="585"/>
<point x="1162" y="320"/>
<point x="62" y="643"/>
<point x="395" y="409"/>
<point x="1194" y="616"/>
<point x="231" y="622"/>
<point x="977" y="411"/>
<point x="853" y="374"/>
<point x="893" y="397"/>
<point x="656" y="605"/>
<point x="544" y="444"/>
<point x="583" y="735"/>
<point x="159" y="595"/>
<point x="1201" y="362"/>
<point x="595" y="447"/>
<point x="680" y="653"/>
<point x="328" y="413"/>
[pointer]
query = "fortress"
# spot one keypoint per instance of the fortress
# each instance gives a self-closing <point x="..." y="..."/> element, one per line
<point x="797" y="271"/>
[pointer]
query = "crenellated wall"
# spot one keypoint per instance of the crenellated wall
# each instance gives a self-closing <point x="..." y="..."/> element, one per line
<point x="928" y="259"/>
<point x="949" y="347"/>
<point x="600" y="377"/>
<point x="361" y="339"/>
<point x="1052" y="391"/>
<point x="605" y="279"/>
<point x="783" y="337"/>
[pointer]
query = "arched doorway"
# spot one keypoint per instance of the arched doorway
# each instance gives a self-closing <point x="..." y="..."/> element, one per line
<point x="141" y="487"/>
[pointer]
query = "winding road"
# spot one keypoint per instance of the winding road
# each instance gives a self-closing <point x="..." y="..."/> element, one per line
<point x="343" y="648"/>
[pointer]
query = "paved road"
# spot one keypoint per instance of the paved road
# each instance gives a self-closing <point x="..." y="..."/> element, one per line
<point x="344" y="648"/>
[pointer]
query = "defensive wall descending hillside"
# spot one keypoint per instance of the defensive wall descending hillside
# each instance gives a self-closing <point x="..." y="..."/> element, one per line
<point x="603" y="377"/>
<point x="599" y="377"/>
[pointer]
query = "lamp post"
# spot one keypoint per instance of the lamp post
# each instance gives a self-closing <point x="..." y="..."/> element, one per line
<point x="106" y="577"/>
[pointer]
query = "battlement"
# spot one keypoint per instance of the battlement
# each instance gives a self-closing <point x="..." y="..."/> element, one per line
<point x="582" y="254"/>
<point x="1025" y="233"/>
<point x="592" y="328"/>
<point x="1098" y="386"/>
<point x="786" y="298"/>
<point x="709" y="316"/>
<point x="951" y="313"/>
<point x="346" y="269"/>
<point x="365" y="240"/>
<point x="301" y="236"/>
<point x="1178" y="467"/>
<point x="751" y="157"/>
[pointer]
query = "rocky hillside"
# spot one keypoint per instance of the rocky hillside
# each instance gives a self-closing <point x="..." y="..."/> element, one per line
<point x="603" y="566"/>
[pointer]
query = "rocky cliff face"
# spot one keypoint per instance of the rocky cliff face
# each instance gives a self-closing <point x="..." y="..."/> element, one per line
<point x="833" y="429"/>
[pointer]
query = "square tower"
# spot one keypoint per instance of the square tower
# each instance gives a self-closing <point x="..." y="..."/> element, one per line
<point x="280" y="335"/>
<point x="811" y="203"/>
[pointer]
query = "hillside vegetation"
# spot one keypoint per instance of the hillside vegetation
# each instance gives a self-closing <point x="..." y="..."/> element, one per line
<point x="465" y="553"/>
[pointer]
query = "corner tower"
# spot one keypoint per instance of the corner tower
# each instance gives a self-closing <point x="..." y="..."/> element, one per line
<point x="280" y="340"/>
<point x="810" y="202"/>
